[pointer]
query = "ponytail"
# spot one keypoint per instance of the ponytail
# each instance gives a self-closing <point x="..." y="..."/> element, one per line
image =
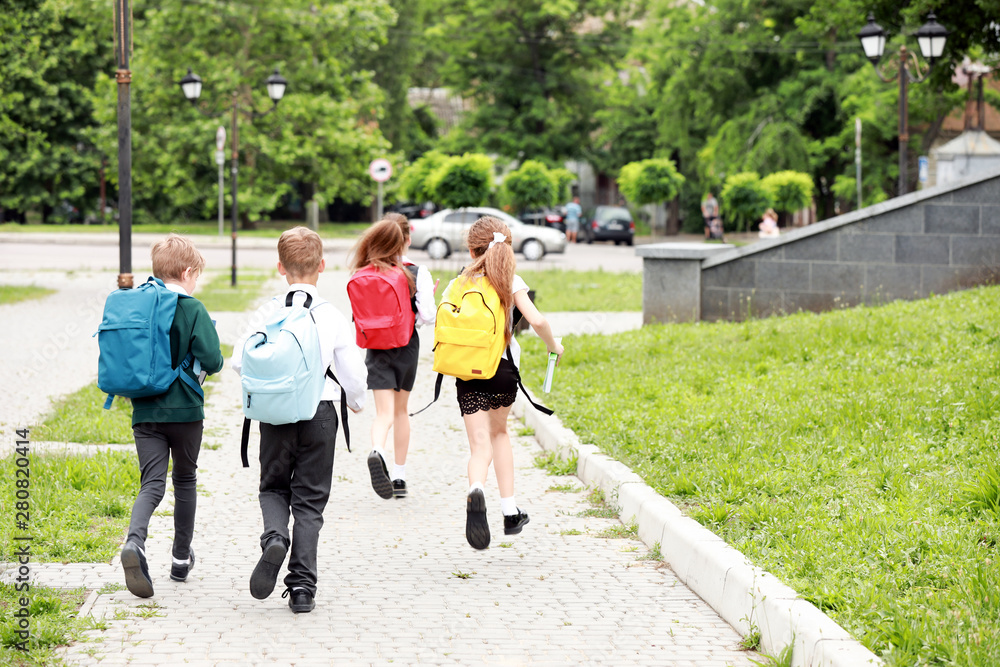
<point x="493" y="256"/>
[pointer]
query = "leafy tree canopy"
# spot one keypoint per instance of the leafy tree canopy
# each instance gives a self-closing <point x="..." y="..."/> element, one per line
<point x="530" y="186"/>
<point x="462" y="181"/>
<point x="649" y="181"/>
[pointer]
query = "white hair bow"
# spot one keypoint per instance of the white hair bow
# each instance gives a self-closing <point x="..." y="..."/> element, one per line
<point x="497" y="238"/>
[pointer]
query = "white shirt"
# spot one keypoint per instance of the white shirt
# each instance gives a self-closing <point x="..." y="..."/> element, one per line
<point x="336" y="338"/>
<point x="426" y="308"/>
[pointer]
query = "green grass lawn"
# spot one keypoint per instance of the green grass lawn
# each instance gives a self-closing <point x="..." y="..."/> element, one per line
<point x="15" y="293"/>
<point x="854" y="454"/>
<point x="265" y="229"/>
<point x="558" y="290"/>
<point x="218" y="295"/>
<point x="53" y="623"/>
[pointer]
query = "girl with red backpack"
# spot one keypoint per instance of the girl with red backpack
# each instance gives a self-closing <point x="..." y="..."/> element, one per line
<point x="486" y="403"/>
<point x="390" y="297"/>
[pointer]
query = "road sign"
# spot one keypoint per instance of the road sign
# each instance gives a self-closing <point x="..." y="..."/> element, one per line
<point x="380" y="169"/>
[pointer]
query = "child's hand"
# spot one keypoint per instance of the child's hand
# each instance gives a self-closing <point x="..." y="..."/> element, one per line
<point x="558" y="349"/>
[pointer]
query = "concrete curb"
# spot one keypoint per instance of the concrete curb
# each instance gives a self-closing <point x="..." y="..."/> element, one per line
<point x="741" y="593"/>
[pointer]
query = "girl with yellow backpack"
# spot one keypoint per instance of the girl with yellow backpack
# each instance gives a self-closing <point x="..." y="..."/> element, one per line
<point x="485" y="364"/>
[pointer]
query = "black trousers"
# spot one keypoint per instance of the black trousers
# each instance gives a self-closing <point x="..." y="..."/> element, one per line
<point x="155" y="443"/>
<point x="296" y="471"/>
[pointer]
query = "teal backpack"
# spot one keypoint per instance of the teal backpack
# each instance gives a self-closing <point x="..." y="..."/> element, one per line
<point x="134" y="342"/>
<point x="282" y="375"/>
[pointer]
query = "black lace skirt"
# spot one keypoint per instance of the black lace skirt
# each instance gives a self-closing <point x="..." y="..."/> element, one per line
<point x="497" y="392"/>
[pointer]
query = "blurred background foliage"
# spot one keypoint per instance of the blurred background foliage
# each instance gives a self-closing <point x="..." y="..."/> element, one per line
<point x="718" y="88"/>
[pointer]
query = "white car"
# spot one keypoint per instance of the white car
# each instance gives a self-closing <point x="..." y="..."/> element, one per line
<point x="444" y="232"/>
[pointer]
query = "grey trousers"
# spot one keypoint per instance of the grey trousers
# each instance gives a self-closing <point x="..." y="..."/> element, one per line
<point x="155" y="443"/>
<point x="296" y="472"/>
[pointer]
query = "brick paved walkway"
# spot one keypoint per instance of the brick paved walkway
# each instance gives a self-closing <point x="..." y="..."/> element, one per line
<point x="398" y="581"/>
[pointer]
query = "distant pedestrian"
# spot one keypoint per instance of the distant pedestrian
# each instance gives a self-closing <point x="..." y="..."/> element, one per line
<point x="573" y="213"/>
<point x="713" y="222"/>
<point x="769" y="225"/>
<point x="392" y="371"/>
<point x="486" y="403"/>
<point x="169" y="426"/>
<point x="296" y="460"/>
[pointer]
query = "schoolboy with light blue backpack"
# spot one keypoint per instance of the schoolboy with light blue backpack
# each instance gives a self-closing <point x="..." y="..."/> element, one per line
<point x="297" y="435"/>
<point x="154" y="340"/>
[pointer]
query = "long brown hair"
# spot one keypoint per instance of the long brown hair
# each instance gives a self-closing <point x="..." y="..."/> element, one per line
<point x="496" y="263"/>
<point x="382" y="247"/>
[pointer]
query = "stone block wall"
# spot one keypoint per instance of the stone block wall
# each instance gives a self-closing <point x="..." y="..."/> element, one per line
<point x="933" y="241"/>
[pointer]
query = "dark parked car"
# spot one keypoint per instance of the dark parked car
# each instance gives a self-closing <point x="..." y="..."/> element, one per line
<point x="549" y="217"/>
<point x="608" y="223"/>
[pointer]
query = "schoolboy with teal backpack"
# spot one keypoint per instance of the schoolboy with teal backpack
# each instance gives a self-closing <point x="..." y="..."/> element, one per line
<point x="154" y="336"/>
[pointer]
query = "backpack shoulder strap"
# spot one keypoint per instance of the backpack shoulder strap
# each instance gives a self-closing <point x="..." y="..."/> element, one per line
<point x="437" y="394"/>
<point x="541" y="408"/>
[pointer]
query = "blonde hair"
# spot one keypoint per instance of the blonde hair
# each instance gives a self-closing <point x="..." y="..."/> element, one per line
<point x="382" y="247"/>
<point x="402" y="221"/>
<point x="173" y="255"/>
<point x="300" y="251"/>
<point x="496" y="263"/>
<point x="771" y="214"/>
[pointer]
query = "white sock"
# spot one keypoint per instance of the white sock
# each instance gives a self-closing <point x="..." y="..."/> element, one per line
<point x="379" y="452"/>
<point x="508" y="506"/>
<point x="177" y="561"/>
<point x="398" y="471"/>
<point x="476" y="485"/>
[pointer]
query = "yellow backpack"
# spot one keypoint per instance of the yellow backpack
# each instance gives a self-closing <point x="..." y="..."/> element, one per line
<point x="469" y="331"/>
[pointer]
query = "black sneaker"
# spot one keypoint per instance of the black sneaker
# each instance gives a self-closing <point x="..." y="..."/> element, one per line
<point x="137" y="578"/>
<point x="179" y="572"/>
<point x="266" y="572"/>
<point x="477" y="528"/>
<point x="299" y="600"/>
<point x="380" y="475"/>
<point x="512" y="524"/>
<point x="399" y="487"/>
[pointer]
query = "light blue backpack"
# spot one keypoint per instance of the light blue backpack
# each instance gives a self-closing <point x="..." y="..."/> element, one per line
<point x="283" y="373"/>
<point x="134" y="342"/>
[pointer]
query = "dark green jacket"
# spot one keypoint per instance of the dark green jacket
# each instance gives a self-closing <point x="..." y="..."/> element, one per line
<point x="192" y="331"/>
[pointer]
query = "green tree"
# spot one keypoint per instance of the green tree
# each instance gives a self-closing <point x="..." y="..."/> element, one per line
<point x="563" y="178"/>
<point x="528" y="68"/>
<point x="462" y="181"/>
<point x="413" y="183"/>
<point x="744" y="199"/>
<point x="789" y="191"/>
<point x="530" y="186"/>
<point x="323" y="134"/>
<point x="51" y="54"/>
<point x="652" y="181"/>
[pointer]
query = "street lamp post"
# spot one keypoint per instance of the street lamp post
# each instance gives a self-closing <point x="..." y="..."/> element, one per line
<point x="220" y="159"/>
<point x="276" y="85"/>
<point x="123" y="76"/>
<point x="931" y="38"/>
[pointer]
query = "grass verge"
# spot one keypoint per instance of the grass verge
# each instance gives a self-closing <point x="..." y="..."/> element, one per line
<point x="15" y="293"/>
<point x="53" y="623"/>
<point x="81" y="417"/>
<point x="79" y="507"/>
<point x="265" y="229"/>
<point x="218" y="295"/>
<point x="558" y="290"/>
<point x="852" y="453"/>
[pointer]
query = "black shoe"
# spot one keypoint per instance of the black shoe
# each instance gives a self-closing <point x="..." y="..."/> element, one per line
<point x="266" y="573"/>
<point x="299" y="600"/>
<point x="477" y="528"/>
<point x="180" y="572"/>
<point x="399" y="487"/>
<point x="512" y="524"/>
<point x="380" y="475"/>
<point x="136" y="572"/>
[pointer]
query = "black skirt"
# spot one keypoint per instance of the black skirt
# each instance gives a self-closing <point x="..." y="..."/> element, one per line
<point x="494" y="393"/>
<point x="395" y="368"/>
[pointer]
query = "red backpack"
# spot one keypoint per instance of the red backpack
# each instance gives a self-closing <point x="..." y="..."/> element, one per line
<point x="383" y="308"/>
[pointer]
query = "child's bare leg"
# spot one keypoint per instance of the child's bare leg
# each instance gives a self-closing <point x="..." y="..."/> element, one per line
<point x="477" y="427"/>
<point x="383" y="418"/>
<point x="401" y="426"/>
<point x="503" y="455"/>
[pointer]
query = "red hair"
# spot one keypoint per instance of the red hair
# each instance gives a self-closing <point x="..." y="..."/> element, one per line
<point x="382" y="247"/>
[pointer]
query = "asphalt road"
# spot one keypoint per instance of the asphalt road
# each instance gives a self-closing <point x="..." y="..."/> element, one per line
<point x="97" y="252"/>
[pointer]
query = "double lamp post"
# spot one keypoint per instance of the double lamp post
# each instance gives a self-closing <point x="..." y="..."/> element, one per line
<point x="191" y="87"/>
<point x="931" y="38"/>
